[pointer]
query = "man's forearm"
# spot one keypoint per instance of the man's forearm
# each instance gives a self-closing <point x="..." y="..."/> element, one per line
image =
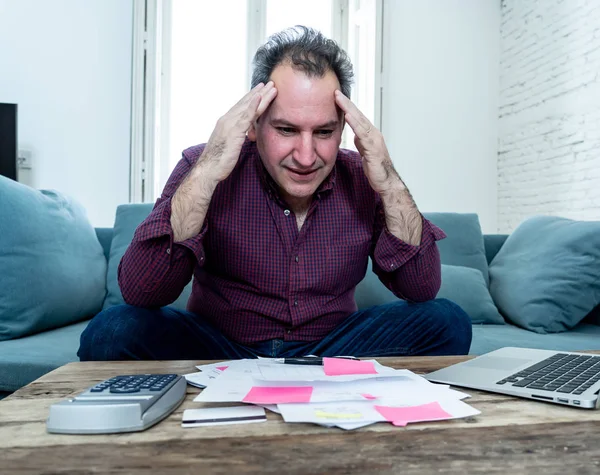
<point x="402" y="216"/>
<point x="190" y="202"/>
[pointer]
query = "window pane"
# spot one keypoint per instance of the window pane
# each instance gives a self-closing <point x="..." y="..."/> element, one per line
<point x="362" y="50"/>
<point x="208" y="68"/>
<point x="285" y="13"/>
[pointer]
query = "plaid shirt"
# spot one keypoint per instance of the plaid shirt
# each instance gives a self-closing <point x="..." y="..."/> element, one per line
<point x="256" y="277"/>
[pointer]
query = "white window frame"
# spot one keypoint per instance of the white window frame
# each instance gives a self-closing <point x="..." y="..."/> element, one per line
<point x="151" y="79"/>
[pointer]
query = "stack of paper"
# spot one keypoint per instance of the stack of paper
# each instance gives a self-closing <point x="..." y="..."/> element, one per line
<point x="341" y="392"/>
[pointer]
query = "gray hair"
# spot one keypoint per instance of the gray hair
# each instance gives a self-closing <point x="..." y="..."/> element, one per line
<point x="308" y="50"/>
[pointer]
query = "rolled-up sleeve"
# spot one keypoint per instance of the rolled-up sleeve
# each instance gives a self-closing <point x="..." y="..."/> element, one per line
<point x="154" y="270"/>
<point x="412" y="273"/>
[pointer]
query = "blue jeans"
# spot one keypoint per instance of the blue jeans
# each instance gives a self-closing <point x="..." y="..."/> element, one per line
<point x="437" y="327"/>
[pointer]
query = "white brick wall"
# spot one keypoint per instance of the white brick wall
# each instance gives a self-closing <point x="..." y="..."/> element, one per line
<point x="549" y="128"/>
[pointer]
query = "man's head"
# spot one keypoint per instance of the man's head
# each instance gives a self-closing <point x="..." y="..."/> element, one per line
<point x="299" y="135"/>
<point x="308" y="51"/>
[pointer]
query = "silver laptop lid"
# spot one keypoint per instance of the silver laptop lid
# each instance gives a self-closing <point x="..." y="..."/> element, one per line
<point x="561" y="377"/>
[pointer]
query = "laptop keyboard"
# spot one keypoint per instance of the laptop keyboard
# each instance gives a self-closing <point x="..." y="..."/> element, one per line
<point x="561" y="372"/>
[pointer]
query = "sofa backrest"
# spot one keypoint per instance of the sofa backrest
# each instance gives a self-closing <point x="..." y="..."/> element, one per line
<point x="492" y="242"/>
<point x="105" y="236"/>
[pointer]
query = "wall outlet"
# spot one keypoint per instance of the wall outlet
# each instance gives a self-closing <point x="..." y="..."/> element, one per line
<point x="24" y="162"/>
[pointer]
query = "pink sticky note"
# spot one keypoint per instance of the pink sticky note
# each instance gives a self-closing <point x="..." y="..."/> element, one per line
<point x="399" y="423"/>
<point x="222" y="368"/>
<point x="368" y="396"/>
<point x="342" y="366"/>
<point x="400" y="416"/>
<point x="278" y="395"/>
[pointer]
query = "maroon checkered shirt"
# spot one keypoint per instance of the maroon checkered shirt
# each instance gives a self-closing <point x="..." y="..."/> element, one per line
<point x="256" y="277"/>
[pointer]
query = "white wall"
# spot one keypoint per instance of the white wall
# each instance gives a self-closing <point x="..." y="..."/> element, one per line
<point x="440" y="107"/>
<point x="67" y="63"/>
<point x="549" y="154"/>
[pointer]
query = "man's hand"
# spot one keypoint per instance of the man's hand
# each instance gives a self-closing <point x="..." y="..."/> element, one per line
<point x="192" y="198"/>
<point x="402" y="217"/>
<point x="223" y="148"/>
<point x="369" y="142"/>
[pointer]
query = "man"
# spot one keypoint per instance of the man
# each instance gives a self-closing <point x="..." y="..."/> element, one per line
<point x="276" y="224"/>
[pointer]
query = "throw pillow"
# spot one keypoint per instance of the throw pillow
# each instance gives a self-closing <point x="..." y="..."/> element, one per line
<point x="128" y="218"/>
<point x="466" y="287"/>
<point x="52" y="267"/>
<point x="463" y="245"/>
<point x="463" y="285"/>
<point x="546" y="276"/>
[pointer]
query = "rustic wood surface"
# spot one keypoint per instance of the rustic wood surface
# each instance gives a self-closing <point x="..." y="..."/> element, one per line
<point x="510" y="435"/>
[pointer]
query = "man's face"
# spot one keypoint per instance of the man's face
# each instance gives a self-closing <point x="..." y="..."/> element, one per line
<point x="299" y="135"/>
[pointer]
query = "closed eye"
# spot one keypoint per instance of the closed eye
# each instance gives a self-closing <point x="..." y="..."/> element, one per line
<point x="324" y="133"/>
<point x="285" y="130"/>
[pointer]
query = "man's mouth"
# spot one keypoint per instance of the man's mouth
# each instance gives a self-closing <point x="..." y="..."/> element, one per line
<point x="302" y="174"/>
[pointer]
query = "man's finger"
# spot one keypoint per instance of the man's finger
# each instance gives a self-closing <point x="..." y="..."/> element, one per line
<point x="355" y="118"/>
<point x="247" y="98"/>
<point x="267" y="95"/>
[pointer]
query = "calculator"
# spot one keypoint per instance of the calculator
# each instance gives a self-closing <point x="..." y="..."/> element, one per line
<point x="124" y="403"/>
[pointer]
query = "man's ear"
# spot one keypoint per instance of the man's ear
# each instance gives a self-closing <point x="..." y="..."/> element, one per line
<point x="252" y="132"/>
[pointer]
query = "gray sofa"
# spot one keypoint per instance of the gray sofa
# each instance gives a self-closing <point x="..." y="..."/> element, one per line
<point x="24" y="359"/>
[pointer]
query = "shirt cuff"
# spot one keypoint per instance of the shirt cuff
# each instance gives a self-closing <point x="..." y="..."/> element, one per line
<point x="391" y="252"/>
<point x="158" y="226"/>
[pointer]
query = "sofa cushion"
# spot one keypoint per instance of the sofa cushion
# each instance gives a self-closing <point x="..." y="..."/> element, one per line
<point x="546" y="276"/>
<point x="463" y="245"/>
<point x="25" y="359"/>
<point x="466" y="287"/>
<point x="462" y="285"/>
<point x="488" y="338"/>
<point x="128" y="218"/>
<point x="53" y="268"/>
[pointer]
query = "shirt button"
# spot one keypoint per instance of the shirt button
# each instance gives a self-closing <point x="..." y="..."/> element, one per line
<point x="295" y="303"/>
<point x="392" y="266"/>
<point x="168" y="251"/>
<point x="289" y="331"/>
<point x="296" y="259"/>
<point x="287" y="212"/>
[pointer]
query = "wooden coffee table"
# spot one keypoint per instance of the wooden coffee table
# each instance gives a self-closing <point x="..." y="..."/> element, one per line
<point x="510" y="436"/>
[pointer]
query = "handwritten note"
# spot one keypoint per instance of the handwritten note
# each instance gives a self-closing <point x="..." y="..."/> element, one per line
<point x="342" y="366"/>
<point x="278" y="395"/>
<point x="400" y="416"/>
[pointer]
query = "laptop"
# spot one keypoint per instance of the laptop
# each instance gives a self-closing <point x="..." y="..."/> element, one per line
<point x="560" y="377"/>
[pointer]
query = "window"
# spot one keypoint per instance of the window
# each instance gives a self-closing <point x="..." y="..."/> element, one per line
<point x="192" y="62"/>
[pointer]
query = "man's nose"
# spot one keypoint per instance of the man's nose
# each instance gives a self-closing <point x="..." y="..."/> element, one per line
<point x="305" y="154"/>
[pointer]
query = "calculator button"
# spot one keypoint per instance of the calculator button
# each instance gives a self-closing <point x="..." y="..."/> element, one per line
<point x="124" y="390"/>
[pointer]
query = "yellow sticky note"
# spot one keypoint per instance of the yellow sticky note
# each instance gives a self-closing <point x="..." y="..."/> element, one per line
<point x="337" y="415"/>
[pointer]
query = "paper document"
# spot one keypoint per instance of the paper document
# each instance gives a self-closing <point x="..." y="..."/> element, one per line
<point x="339" y="392"/>
<point x="368" y="411"/>
<point x="241" y="388"/>
<point x="201" y="379"/>
<point x="288" y="372"/>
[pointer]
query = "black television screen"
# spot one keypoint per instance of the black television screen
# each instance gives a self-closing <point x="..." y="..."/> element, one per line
<point x="8" y="140"/>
